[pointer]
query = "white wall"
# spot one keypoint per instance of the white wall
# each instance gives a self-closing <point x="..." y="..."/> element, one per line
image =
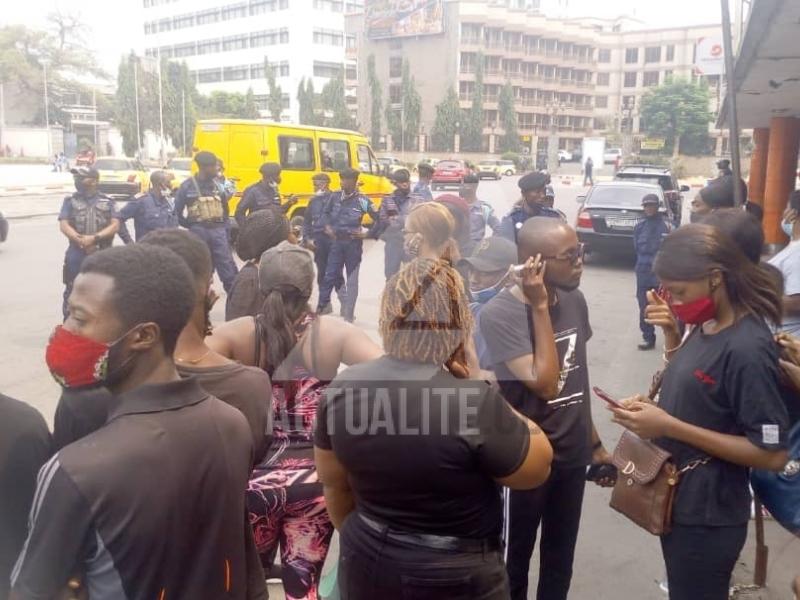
<point x="32" y="141"/>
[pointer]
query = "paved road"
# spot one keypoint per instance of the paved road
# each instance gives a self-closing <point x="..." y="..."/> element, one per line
<point x="614" y="561"/>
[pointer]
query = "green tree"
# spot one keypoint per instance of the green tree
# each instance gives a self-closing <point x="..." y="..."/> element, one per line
<point x="445" y="126"/>
<point x="250" y="106"/>
<point x="507" y="115"/>
<point x="472" y="138"/>
<point x="678" y="111"/>
<point x="337" y="113"/>
<point x="376" y="102"/>
<point x="179" y="93"/>
<point x="275" y="97"/>
<point x="125" y="105"/>
<point x="412" y="106"/>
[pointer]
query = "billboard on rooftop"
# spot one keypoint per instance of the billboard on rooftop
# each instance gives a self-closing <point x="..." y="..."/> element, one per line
<point x="403" y="18"/>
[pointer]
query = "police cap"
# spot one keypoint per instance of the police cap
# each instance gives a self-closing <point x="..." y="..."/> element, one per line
<point x="534" y="180"/>
<point x="85" y="173"/>
<point x="724" y="164"/>
<point x="650" y="199"/>
<point x="270" y="169"/>
<point x="205" y="158"/>
<point x="349" y="174"/>
<point x="401" y="176"/>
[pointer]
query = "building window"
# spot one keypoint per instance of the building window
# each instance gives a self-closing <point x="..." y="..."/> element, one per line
<point x="650" y="78"/>
<point x="235" y="73"/>
<point x="667" y="75"/>
<point x="334" y="155"/>
<point x="209" y="75"/>
<point x="631" y="56"/>
<point x="236" y="42"/>
<point x="395" y="94"/>
<point x="351" y="73"/>
<point x="207" y="17"/>
<point x="269" y="38"/>
<point x="183" y="21"/>
<point x="601" y="102"/>
<point x="670" y="53"/>
<point x="258" y="71"/>
<point x="265" y="6"/>
<point x="599" y="124"/>
<point x="296" y="153"/>
<point x="328" y="37"/>
<point x="332" y="5"/>
<point x="164" y="25"/>
<point x="395" y="66"/>
<point x="603" y="79"/>
<point x="208" y="47"/>
<point x="652" y="54"/>
<point x="281" y="69"/>
<point x="630" y="80"/>
<point x="351" y="42"/>
<point x="184" y="50"/>
<point x="352" y="7"/>
<point x="284" y="35"/>
<point x="604" y="55"/>
<point x="327" y="69"/>
<point x="235" y="11"/>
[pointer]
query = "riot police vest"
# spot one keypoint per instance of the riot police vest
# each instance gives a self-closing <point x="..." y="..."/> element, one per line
<point x="89" y="218"/>
<point x="206" y="208"/>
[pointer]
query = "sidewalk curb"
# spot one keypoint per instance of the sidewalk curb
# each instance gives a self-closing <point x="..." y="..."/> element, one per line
<point x="33" y="216"/>
<point x="34" y="190"/>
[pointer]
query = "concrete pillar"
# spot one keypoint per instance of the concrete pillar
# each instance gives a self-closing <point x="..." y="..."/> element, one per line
<point x="784" y="143"/>
<point x="758" y="166"/>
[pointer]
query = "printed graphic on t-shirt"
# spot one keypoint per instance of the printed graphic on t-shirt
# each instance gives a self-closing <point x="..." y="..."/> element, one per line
<point x="566" y="342"/>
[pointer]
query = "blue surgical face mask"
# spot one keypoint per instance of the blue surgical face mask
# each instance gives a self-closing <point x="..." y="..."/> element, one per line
<point x="486" y="294"/>
<point x="788" y="228"/>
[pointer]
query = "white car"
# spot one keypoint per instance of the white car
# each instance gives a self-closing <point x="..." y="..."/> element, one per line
<point x="611" y="155"/>
<point x="564" y="155"/>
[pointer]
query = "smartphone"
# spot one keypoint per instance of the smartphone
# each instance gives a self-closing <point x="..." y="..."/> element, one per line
<point x="604" y="396"/>
<point x="518" y="269"/>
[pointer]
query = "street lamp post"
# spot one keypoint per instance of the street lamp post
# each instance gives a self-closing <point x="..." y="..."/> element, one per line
<point x="552" y="142"/>
<point x="457" y="138"/>
<point x="627" y="129"/>
<point x="44" y="63"/>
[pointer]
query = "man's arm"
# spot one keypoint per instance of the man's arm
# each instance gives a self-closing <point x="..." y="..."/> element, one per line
<point x="493" y="221"/>
<point x="180" y="206"/>
<point x="243" y="207"/>
<point x="69" y="231"/>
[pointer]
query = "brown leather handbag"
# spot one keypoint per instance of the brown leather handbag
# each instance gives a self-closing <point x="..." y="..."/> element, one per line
<point x="646" y="483"/>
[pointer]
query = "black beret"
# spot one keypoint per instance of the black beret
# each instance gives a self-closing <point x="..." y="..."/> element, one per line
<point x="535" y="180"/>
<point x="205" y="159"/>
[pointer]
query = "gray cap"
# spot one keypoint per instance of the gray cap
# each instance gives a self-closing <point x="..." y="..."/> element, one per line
<point x="85" y="173"/>
<point x="492" y="254"/>
<point x="286" y="265"/>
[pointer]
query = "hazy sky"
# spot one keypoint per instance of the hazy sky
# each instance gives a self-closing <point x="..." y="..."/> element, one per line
<point x="116" y="25"/>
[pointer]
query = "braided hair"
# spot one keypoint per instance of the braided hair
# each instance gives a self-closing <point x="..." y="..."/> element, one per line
<point x="261" y="231"/>
<point x="425" y="315"/>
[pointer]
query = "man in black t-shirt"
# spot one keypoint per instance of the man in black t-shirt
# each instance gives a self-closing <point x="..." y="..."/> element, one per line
<point x="542" y="372"/>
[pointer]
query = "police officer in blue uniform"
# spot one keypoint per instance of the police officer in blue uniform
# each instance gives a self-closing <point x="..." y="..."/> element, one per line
<point x="481" y="214"/>
<point x="314" y="236"/>
<point x="391" y="219"/>
<point x="150" y="211"/>
<point x="346" y="210"/>
<point x="422" y="188"/>
<point x="89" y="221"/>
<point x="534" y="203"/>
<point x="647" y="236"/>
<point x="205" y="204"/>
<point x="263" y="194"/>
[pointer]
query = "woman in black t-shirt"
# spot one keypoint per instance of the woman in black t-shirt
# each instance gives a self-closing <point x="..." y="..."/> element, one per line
<point x="410" y="452"/>
<point x="720" y="410"/>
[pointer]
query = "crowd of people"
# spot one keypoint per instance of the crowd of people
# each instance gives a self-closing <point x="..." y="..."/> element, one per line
<point x="187" y="454"/>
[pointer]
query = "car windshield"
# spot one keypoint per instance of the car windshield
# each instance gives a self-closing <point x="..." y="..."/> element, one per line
<point x="664" y="182"/>
<point x="112" y="164"/>
<point x="180" y="164"/>
<point x="448" y="164"/>
<point x="618" y="196"/>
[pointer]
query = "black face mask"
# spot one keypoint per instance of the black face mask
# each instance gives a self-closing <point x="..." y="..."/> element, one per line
<point x="119" y="366"/>
<point x="208" y="304"/>
<point x="695" y="217"/>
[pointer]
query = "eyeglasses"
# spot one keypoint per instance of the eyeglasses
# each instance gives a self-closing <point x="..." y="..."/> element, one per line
<point x="573" y="256"/>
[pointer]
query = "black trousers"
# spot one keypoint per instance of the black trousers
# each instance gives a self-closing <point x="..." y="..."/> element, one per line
<point x="373" y="566"/>
<point x="700" y="560"/>
<point x="557" y="506"/>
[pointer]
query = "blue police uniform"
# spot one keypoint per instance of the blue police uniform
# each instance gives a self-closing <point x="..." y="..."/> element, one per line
<point x="647" y="236"/>
<point x="314" y="230"/>
<point x="343" y="218"/>
<point x="389" y="227"/>
<point x="205" y="204"/>
<point x="149" y="212"/>
<point x="423" y="191"/>
<point x="259" y="196"/>
<point x="87" y="216"/>
<point x="513" y="221"/>
<point x="481" y="214"/>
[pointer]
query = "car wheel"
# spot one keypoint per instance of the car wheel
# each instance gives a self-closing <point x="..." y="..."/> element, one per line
<point x="509" y="173"/>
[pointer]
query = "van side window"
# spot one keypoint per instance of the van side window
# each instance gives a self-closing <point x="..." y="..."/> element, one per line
<point x="297" y="153"/>
<point x="334" y="155"/>
<point x="367" y="163"/>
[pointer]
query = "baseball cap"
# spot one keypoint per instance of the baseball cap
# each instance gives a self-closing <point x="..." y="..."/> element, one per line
<point x="492" y="254"/>
<point x="650" y="199"/>
<point x="535" y="180"/>
<point x="286" y="265"/>
<point x="205" y="158"/>
<point x="85" y="172"/>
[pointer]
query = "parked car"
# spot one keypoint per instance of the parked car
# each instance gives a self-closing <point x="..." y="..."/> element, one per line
<point x="662" y="176"/>
<point x="121" y="177"/>
<point x="180" y="168"/>
<point x="489" y="169"/>
<point x="508" y="167"/>
<point x="390" y="164"/>
<point x="3" y="228"/>
<point x="611" y="155"/>
<point x="611" y="210"/>
<point x="449" y="172"/>
<point x="565" y="156"/>
<point x="85" y="158"/>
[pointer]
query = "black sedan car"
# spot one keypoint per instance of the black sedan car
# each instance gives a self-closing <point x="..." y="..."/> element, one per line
<point x="611" y="210"/>
<point x="3" y="228"/>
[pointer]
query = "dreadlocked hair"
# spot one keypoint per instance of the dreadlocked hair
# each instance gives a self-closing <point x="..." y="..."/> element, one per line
<point x="261" y="231"/>
<point x="425" y="316"/>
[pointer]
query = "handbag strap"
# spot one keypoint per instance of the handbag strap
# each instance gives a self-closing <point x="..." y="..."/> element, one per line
<point x="257" y="349"/>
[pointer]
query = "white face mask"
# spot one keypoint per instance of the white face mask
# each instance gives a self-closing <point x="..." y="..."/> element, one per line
<point x="788" y="228"/>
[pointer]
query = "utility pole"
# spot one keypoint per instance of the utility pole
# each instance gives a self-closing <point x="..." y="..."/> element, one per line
<point x="47" y="109"/>
<point x="94" y="105"/>
<point x="160" y="111"/>
<point x="183" y="118"/>
<point x="136" y="101"/>
<point x="733" y="123"/>
<point x="403" y="130"/>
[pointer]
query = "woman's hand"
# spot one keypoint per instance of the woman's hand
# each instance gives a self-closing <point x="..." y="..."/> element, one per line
<point x="643" y="418"/>
<point x="790" y="347"/>
<point x="659" y="313"/>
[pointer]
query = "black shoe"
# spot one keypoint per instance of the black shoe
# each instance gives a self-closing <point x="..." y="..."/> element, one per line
<point x="646" y="346"/>
<point x="325" y="310"/>
<point x="349" y="319"/>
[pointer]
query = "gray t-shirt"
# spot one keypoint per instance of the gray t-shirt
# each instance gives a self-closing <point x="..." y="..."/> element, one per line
<point x="788" y="261"/>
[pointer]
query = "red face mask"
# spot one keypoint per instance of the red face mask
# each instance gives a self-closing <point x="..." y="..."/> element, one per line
<point x="696" y="312"/>
<point x="76" y="361"/>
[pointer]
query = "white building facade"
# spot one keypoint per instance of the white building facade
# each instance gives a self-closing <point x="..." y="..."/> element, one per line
<point x="225" y="44"/>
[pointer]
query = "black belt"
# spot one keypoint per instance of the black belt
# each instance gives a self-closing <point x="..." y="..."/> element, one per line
<point x="433" y="542"/>
<point x="207" y="223"/>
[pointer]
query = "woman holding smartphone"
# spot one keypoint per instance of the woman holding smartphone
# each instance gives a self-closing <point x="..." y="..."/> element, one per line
<point x="720" y="410"/>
